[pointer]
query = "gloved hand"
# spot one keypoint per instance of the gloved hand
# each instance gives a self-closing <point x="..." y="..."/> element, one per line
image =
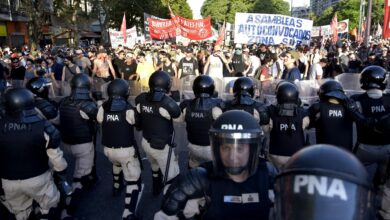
<point x="63" y="186"/>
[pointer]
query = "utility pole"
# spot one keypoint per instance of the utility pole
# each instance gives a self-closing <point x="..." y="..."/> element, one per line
<point x="368" y="26"/>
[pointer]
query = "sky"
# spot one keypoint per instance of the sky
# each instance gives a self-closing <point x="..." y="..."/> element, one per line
<point x="196" y="5"/>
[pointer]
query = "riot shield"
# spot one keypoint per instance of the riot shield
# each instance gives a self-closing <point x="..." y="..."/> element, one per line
<point x="186" y="87"/>
<point x="134" y="90"/>
<point x="308" y="91"/>
<point x="350" y="83"/>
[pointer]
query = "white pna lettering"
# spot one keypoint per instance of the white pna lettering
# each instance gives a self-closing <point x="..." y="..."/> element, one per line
<point x="320" y="185"/>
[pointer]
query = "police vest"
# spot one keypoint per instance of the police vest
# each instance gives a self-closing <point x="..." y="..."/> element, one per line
<point x="335" y="126"/>
<point x="22" y="149"/>
<point x="287" y="136"/>
<point x="74" y="128"/>
<point x="199" y="120"/>
<point x="116" y="131"/>
<point x="156" y="129"/>
<point x="247" y="200"/>
<point x="238" y="63"/>
<point x="372" y="108"/>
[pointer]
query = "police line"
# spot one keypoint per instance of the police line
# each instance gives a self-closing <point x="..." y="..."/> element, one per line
<point x="264" y="91"/>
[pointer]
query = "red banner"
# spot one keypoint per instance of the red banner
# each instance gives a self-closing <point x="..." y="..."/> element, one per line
<point x="161" y="29"/>
<point x="194" y="29"/>
<point x="386" y="24"/>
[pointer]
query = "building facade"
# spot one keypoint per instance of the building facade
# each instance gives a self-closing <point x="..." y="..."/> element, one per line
<point x="300" y="12"/>
<point x="318" y="6"/>
<point x="14" y="26"/>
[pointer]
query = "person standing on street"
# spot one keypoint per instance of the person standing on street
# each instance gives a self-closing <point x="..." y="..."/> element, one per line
<point x="24" y="162"/>
<point x="156" y="110"/>
<point x="117" y="117"/>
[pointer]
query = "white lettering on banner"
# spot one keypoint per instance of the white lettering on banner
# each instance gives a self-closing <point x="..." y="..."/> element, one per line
<point x="112" y="118"/>
<point x="271" y="29"/>
<point x="376" y="109"/>
<point x="232" y="127"/>
<point x="335" y="113"/>
<point x="320" y="185"/>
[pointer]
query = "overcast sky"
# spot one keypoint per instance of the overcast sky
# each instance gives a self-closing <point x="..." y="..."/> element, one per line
<point x="197" y="4"/>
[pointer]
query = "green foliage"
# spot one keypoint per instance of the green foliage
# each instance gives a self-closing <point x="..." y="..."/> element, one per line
<point x="220" y="10"/>
<point x="272" y="7"/>
<point x="350" y="9"/>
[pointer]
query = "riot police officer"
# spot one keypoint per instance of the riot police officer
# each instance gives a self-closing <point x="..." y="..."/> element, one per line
<point x="374" y="144"/>
<point x="77" y="114"/>
<point x="333" y="116"/>
<point x="287" y="123"/>
<point x="117" y="117"/>
<point x="39" y="86"/>
<point x="156" y="111"/>
<point x="235" y="185"/>
<point x="243" y="90"/>
<point x="312" y="187"/>
<point x="24" y="162"/>
<point x="199" y="113"/>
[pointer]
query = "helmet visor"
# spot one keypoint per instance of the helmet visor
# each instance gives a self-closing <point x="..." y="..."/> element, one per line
<point x="235" y="153"/>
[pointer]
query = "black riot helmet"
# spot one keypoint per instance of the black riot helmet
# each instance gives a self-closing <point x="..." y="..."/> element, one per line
<point x="119" y="88"/>
<point x="18" y="100"/>
<point x="159" y="84"/>
<point x="287" y="93"/>
<point x="331" y="89"/>
<point x="235" y="139"/>
<point x="243" y="86"/>
<point x="373" y="77"/>
<point x="39" y="86"/>
<point x="312" y="187"/>
<point x="203" y="86"/>
<point x="80" y="81"/>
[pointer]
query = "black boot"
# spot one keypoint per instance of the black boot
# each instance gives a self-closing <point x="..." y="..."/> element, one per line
<point x="157" y="182"/>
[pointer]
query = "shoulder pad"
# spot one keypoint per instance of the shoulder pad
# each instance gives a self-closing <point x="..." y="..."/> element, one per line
<point x="54" y="135"/>
<point x="314" y="108"/>
<point x="190" y="185"/>
<point x="171" y="106"/>
<point x="89" y="108"/>
<point x="184" y="104"/>
<point x="47" y="108"/>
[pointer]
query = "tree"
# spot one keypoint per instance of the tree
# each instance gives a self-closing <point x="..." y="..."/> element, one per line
<point x="220" y="10"/>
<point x="271" y="7"/>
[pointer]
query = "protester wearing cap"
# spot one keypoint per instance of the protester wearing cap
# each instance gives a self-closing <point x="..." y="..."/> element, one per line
<point x="130" y="67"/>
<point x="188" y="65"/>
<point x="291" y="72"/>
<point x="82" y="62"/>
<point x="18" y="71"/>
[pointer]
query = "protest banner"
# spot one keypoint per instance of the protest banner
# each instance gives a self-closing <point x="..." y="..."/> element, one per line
<point x="199" y="29"/>
<point x="325" y="30"/>
<point x="271" y="29"/>
<point x="161" y="29"/>
<point x="116" y="37"/>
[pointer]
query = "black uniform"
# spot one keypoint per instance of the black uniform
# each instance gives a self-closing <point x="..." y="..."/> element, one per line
<point x="24" y="162"/>
<point x="155" y="113"/>
<point x="334" y="126"/>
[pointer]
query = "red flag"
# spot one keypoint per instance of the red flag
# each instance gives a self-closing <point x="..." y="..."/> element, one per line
<point x="386" y="24"/>
<point x="221" y="35"/>
<point x="361" y="36"/>
<point x="123" y="28"/>
<point x="333" y="26"/>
